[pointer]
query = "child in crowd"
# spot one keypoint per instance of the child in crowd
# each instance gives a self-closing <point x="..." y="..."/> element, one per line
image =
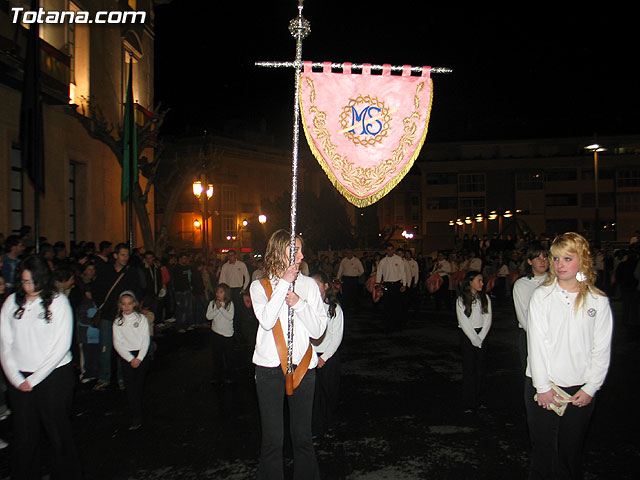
<point x="327" y="391"/>
<point x="131" y="340"/>
<point x="473" y="310"/>
<point x="220" y="312"/>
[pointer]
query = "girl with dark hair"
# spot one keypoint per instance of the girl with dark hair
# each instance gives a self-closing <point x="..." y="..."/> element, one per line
<point x="35" y="333"/>
<point x="131" y="339"/>
<point x="325" y="402"/>
<point x="221" y="311"/>
<point x="569" y="343"/>
<point x="535" y="274"/>
<point x="473" y="309"/>
<point x="272" y="298"/>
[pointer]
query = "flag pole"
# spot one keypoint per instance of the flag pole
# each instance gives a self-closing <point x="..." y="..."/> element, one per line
<point x="299" y="28"/>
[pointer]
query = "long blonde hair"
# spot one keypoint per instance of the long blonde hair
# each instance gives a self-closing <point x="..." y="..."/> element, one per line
<point x="572" y="242"/>
<point x="275" y="258"/>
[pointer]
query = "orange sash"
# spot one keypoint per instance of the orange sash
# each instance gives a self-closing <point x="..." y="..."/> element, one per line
<point x="292" y="380"/>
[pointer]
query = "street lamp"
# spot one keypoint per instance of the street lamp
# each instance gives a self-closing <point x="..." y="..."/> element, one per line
<point x="595" y="148"/>
<point x="262" y="219"/>
<point x="198" y="190"/>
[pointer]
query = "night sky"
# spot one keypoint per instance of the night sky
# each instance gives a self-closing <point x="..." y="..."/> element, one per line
<point x="516" y="73"/>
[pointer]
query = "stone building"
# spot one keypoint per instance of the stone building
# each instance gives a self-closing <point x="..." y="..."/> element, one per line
<point x="79" y="61"/>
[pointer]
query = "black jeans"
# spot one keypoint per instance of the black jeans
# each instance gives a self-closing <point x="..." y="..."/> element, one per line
<point x="556" y="442"/>
<point x="270" y="386"/>
<point x="327" y="394"/>
<point x="474" y="361"/>
<point x="49" y="405"/>
<point x="134" y="386"/>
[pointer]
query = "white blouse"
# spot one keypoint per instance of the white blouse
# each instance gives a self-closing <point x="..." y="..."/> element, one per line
<point x="131" y="335"/>
<point x="221" y="318"/>
<point x="476" y="320"/>
<point x="332" y="338"/>
<point x="309" y="319"/>
<point x="33" y="344"/>
<point x="568" y="347"/>
<point x="522" y="291"/>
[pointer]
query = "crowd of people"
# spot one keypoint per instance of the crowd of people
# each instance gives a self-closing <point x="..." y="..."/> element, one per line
<point x="107" y="304"/>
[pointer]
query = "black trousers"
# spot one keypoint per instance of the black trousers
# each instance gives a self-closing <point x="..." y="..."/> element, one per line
<point x="556" y="442"/>
<point x="392" y="301"/>
<point x="350" y="292"/>
<point x="134" y="386"/>
<point x="221" y="357"/>
<point x="443" y="295"/>
<point x="522" y="349"/>
<point x="473" y="371"/>
<point x="270" y="387"/>
<point x="49" y="405"/>
<point x="327" y="394"/>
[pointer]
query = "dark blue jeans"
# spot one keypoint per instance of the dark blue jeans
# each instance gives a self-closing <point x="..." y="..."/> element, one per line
<point x="270" y="386"/>
<point x="184" y="309"/>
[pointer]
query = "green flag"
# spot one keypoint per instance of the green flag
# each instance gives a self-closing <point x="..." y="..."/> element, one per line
<point x="129" y="143"/>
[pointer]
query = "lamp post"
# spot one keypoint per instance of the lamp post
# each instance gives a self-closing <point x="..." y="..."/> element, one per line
<point x="203" y="196"/>
<point x="595" y="148"/>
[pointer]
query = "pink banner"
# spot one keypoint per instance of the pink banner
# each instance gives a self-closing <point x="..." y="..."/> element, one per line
<point x="365" y="130"/>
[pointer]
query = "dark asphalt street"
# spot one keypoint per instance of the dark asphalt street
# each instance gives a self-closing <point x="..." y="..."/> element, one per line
<point x="400" y="414"/>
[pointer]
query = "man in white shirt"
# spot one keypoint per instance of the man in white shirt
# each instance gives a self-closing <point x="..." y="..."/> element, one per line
<point x="413" y="275"/>
<point x="392" y="275"/>
<point x="235" y="274"/>
<point x="349" y="272"/>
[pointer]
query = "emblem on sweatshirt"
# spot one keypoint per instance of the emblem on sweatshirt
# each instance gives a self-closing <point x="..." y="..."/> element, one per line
<point x="591" y="312"/>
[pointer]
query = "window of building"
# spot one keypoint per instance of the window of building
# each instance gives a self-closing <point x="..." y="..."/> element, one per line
<point x="229" y="225"/>
<point x="228" y="198"/>
<point x="628" y="177"/>
<point x="560" y="174"/>
<point x="603" y="173"/>
<point x="561" y="225"/>
<point x="442" y="203"/>
<point x="17" y="191"/>
<point x="471" y="206"/>
<point x="72" y="201"/>
<point x="605" y="199"/>
<point x="529" y="180"/>
<point x="442" y="178"/>
<point x="629" y="202"/>
<point x="561" y="200"/>
<point x="471" y="182"/>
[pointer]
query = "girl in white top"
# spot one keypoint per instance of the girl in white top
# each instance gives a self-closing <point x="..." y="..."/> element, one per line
<point x="220" y="312"/>
<point x="569" y="342"/>
<point x="35" y="337"/>
<point x="327" y="392"/>
<point x="131" y="340"/>
<point x="309" y="321"/>
<point x="473" y="309"/>
<point x="535" y="275"/>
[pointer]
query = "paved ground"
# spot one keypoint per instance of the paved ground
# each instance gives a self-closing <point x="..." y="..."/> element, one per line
<point x="400" y="415"/>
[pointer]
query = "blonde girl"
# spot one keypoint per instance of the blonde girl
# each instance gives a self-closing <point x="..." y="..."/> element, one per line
<point x="221" y="312"/>
<point x="131" y="339"/>
<point x="569" y="343"/>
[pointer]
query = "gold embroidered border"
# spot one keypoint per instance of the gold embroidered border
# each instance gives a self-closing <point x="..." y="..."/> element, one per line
<point x="358" y="178"/>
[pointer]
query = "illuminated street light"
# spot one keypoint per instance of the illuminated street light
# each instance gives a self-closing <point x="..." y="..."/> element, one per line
<point x="196" y="223"/>
<point x="507" y="214"/>
<point x="262" y="219"/>
<point x="245" y="222"/>
<point x="197" y="188"/>
<point x="595" y="148"/>
<point x="210" y="191"/>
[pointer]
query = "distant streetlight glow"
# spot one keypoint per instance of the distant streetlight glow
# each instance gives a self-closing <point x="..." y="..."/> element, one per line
<point x="262" y="219"/>
<point x="197" y="188"/>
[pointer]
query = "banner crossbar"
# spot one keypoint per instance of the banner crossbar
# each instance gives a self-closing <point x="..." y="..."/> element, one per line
<point x="356" y="66"/>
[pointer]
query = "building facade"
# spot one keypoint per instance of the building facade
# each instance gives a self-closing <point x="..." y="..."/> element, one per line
<point x="543" y="186"/>
<point x="80" y="63"/>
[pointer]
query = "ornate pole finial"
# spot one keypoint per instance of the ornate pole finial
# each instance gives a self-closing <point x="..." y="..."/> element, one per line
<point x="300" y="27"/>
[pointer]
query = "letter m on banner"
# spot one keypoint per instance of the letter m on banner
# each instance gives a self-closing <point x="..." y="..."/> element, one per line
<point x="365" y="130"/>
